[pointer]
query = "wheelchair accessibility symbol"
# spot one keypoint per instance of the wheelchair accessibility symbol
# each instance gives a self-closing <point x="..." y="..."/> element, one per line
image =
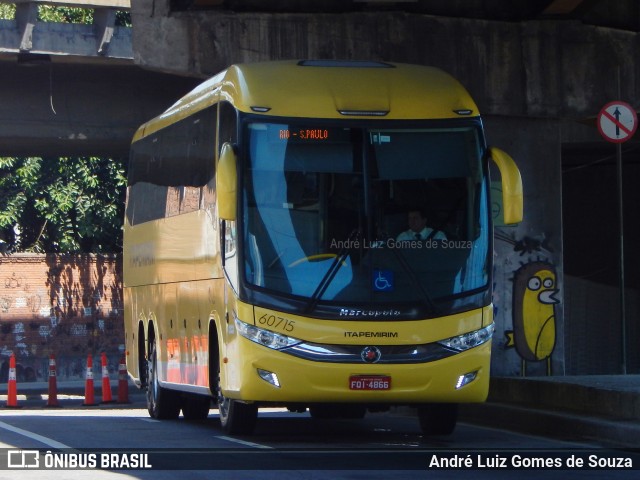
<point x="383" y="280"/>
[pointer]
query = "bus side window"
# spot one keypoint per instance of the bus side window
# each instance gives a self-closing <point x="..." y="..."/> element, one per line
<point x="146" y="191"/>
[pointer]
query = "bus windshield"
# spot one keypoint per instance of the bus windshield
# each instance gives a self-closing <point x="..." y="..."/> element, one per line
<point x="368" y="216"/>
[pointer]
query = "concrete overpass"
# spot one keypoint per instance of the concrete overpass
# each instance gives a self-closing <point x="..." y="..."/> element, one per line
<point x="27" y="34"/>
<point x="542" y="58"/>
<point x="540" y="70"/>
<point x="75" y="89"/>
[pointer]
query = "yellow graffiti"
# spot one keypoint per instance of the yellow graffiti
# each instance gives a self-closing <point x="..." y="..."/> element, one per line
<point x="538" y="313"/>
<point x="534" y="313"/>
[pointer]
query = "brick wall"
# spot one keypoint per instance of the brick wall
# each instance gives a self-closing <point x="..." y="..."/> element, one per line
<point x="66" y="305"/>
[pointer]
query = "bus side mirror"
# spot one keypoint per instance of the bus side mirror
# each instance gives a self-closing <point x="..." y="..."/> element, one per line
<point x="512" y="199"/>
<point x="226" y="183"/>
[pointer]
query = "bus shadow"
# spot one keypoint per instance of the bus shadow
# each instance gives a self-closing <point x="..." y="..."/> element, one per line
<point x="286" y="430"/>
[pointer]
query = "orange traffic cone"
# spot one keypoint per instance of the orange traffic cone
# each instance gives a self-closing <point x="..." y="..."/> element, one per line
<point x="52" y="401"/>
<point x="106" y="386"/>
<point x="123" y="382"/>
<point x="12" y="386"/>
<point x="89" y="399"/>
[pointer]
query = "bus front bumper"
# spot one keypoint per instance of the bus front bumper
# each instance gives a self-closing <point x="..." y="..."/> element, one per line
<point x="258" y="374"/>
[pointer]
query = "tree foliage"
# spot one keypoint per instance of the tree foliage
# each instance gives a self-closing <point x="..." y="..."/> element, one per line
<point x="7" y="11"/>
<point x="50" y="13"/>
<point x="47" y="13"/>
<point x="62" y="205"/>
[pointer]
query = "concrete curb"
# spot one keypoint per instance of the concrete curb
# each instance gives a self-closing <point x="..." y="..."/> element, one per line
<point x="33" y="394"/>
<point x="604" y="409"/>
<point x="616" y="396"/>
<point x="559" y="425"/>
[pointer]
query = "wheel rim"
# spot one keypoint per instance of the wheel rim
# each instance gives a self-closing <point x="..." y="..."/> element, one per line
<point x="223" y="402"/>
<point x="223" y="407"/>
<point x="152" y="391"/>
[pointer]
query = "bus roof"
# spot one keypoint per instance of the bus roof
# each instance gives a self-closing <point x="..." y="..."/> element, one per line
<point x="327" y="89"/>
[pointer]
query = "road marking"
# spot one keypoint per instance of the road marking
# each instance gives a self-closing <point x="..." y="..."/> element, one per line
<point x="34" y="436"/>
<point x="242" y="442"/>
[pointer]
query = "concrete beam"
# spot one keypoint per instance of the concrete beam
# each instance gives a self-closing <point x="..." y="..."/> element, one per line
<point x="103" y="38"/>
<point x="542" y="68"/>
<point x="104" y="24"/>
<point x="65" y="39"/>
<point x="26" y="19"/>
<point x="61" y="109"/>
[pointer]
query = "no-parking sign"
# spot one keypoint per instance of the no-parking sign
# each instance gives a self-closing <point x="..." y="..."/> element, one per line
<point x="617" y="122"/>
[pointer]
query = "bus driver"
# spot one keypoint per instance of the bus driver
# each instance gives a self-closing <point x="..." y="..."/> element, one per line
<point x="418" y="229"/>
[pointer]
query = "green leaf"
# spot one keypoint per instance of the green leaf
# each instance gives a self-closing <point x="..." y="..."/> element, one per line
<point x="80" y="202"/>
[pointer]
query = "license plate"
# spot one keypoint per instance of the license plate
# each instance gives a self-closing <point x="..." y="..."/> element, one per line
<point x="369" y="382"/>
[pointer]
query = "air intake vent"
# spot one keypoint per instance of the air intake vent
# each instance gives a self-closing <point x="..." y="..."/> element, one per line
<point x="344" y="63"/>
<point x="364" y="113"/>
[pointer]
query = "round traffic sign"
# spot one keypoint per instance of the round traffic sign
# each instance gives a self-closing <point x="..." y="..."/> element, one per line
<point x="617" y="122"/>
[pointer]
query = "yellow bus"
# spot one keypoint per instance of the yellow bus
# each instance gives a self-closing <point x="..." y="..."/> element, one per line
<point x="315" y="235"/>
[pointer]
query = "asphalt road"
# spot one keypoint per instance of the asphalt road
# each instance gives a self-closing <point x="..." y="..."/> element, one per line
<point x="284" y="446"/>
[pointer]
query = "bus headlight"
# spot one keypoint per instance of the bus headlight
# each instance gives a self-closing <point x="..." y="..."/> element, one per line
<point x="266" y="338"/>
<point x="469" y="340"/>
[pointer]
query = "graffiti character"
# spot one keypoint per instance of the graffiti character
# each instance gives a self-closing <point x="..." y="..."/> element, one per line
<point x="534" y="313"/>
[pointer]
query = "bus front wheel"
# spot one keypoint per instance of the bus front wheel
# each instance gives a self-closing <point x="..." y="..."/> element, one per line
<point x="438" y="418"/>
<point x="236" y="418"/>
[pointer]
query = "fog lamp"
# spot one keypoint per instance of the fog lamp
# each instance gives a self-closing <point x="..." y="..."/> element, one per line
<point x="466" y="379"/>
<point x="269" y="377"/>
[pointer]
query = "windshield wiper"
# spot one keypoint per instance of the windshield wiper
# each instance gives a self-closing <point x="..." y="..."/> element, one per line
<point x="416" y="281"/>
<point x="328" y="277"/>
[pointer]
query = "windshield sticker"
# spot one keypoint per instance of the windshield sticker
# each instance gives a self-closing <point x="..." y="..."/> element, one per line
<point x="383" y="280"/>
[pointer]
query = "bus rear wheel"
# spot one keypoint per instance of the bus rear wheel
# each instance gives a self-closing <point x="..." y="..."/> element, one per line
<point x="438" y="418"/>
<point x="163" y="404"/>
<point x="236" y="418"/>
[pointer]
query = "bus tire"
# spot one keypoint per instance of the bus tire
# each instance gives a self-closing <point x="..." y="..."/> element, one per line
<point x="196" y="407"/>
<point x="162" y="403"/>
<point x="438" y="418"/>
<point x="236" y="418"/>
